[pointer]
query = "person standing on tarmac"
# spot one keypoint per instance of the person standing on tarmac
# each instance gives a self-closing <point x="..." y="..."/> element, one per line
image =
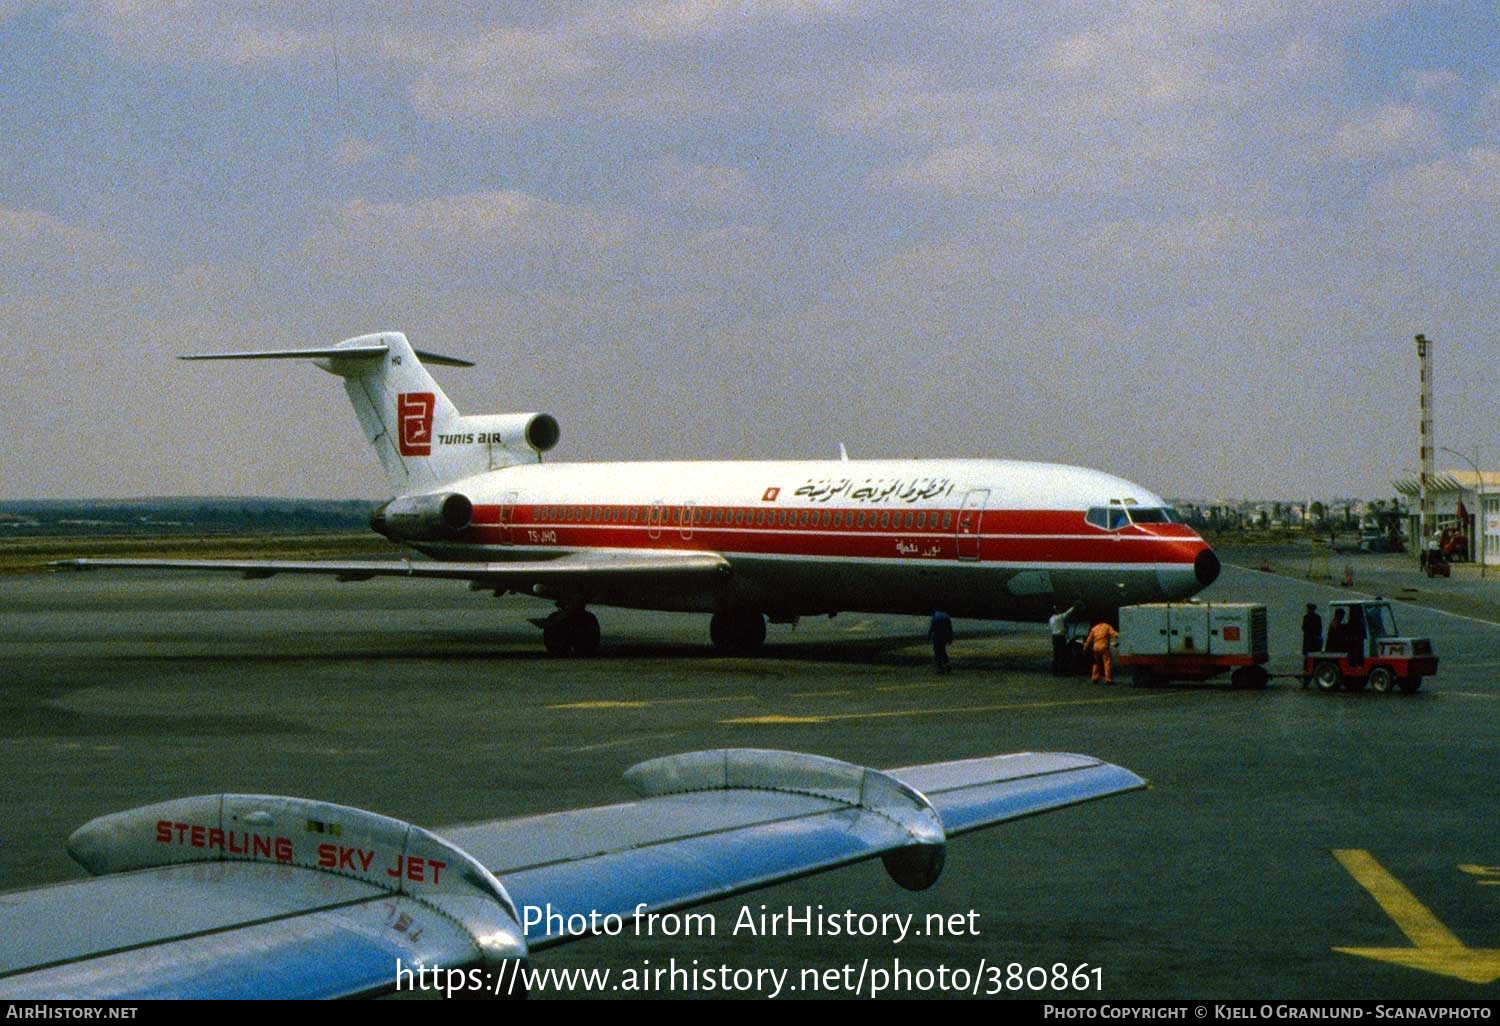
<point x="1058" y="625"/>
<point x="940" y="633"/>
<point x="1312" y="630"/>
<point x="1097" y="646"/>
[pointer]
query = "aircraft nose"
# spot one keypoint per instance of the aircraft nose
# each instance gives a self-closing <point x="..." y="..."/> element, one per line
<point x="1206" y="567"/>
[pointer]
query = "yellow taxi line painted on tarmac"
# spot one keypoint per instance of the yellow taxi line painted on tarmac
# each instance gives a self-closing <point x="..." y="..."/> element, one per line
<point x="1434" y="947"/>
<point x="1421" y="927"/>
<point x="773" y="718"/>
<point x="915" y="687"/>
<point x="605" y="703"/>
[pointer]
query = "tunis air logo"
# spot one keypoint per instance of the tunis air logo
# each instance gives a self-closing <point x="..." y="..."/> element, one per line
<point x="414" y="411"/>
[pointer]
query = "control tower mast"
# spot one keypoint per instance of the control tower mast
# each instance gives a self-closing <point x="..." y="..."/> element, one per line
<point x="1427" y="516"/>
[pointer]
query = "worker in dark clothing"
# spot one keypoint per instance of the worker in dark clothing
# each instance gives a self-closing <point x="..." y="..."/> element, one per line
<point x="940" y="633"/>
<point x="1338" y="632"/>
<point x="1354" y="642"/>
<point x="1058" y="625"/>
<point x="1312" y="630"/>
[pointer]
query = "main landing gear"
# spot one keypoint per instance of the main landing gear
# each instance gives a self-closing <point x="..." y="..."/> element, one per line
<point x="737" y="632"/>
<point x="571" y="632"/>
<point x="575" y="632"/>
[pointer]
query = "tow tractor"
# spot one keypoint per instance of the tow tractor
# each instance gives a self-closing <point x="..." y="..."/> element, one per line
<point x="1369" y="652"/>
<point x="1165" y="641"/>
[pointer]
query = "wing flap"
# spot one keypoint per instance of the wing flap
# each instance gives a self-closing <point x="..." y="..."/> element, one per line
<point x="692" y="870"/>
<point x="973" y="793"/>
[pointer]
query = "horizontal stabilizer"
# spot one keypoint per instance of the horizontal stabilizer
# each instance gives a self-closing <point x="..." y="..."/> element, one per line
<point x="330" y="353"/>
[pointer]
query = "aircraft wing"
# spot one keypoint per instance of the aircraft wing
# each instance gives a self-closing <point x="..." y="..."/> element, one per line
<point x="582" y="567"/>
<point x="234" y="896"/>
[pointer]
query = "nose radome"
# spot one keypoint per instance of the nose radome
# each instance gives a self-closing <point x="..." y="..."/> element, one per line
<point x="1206" y="567"/>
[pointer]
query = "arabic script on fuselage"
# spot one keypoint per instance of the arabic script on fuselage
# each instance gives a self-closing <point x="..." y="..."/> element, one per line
<point x="876" y="490"/>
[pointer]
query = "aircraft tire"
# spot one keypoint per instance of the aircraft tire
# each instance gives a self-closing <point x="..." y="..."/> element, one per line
<point x="752" y="632"/>
<point x="739" y="632"/>
<point x="584" y="627"/>
<point x="557" y="637"/>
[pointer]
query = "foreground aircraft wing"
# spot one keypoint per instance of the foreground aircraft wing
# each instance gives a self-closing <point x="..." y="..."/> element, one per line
<point x="234" y="896"/>
<point x="602" y="566"/>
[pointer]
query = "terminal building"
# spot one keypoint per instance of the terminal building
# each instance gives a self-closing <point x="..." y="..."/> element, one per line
<point x="1465" y="503"/>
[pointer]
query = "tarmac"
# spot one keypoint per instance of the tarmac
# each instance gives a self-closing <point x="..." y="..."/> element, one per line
<point x="1293" y="844"/>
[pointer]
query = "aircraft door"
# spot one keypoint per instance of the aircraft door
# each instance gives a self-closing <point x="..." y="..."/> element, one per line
<point x="507" y="515"/>
<point x="688" y="511"/>
<point x="655" y="517"/>
<point x="968" y="522"/>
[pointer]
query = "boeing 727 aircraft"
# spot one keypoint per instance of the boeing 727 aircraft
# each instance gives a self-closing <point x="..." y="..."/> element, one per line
<point x="742" y="541"/>
<point x="255" y="896"/>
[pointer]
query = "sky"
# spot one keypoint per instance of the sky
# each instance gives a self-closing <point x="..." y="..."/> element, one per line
<point x="1188" y="243"/>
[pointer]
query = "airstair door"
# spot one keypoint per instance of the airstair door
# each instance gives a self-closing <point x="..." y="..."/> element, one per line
<point x="969" y="515"/>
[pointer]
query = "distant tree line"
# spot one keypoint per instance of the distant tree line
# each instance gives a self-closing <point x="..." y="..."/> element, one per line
<point x="181" y="516"/>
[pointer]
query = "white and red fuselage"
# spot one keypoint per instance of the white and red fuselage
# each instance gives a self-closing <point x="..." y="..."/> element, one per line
<point x="993" y="539"/>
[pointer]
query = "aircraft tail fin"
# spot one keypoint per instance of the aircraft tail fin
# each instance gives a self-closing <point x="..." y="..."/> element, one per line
<point x="422" y="440"/>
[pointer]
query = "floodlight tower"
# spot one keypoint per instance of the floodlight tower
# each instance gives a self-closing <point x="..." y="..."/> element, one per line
<point x="1427" y="514"/>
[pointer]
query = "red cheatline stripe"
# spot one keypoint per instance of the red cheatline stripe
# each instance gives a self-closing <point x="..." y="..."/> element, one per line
<point x="1056" y="537"/>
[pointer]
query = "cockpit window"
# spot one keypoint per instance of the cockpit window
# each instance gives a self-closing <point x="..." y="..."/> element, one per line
<point x="1109" y="518"/>
<point x="1117" y="514"/>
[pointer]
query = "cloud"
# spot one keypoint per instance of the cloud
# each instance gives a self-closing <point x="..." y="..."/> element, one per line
<point x="351" y="152"/>
<point x="705" y="187"/>
<point x="492" y="65"/>
<point x="1389" y="131"/>
<point x="1434" y="84"/>
<point x="480" y="236"/>
<point x="44" y="252"/>
<point x="235" y="33"/>
<point x="1455" y="189"/>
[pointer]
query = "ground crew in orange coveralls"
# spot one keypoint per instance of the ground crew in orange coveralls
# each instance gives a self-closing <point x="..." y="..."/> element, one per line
<point x="1097" y="645"/>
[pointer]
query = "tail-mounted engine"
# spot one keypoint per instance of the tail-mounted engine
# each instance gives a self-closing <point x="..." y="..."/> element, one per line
<point x="511" y="432"/>
<point x="416" y="518"/>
